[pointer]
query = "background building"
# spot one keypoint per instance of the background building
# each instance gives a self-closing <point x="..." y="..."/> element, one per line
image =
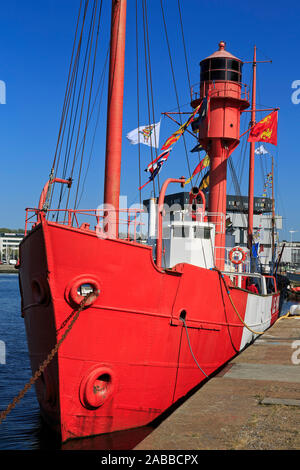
<point x="9" y="247"/>
<point x="290" y="259"/>
<point x="237" y="225"/>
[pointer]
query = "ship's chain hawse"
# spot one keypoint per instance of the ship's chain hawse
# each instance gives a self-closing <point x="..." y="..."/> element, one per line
<point x="50" y="356"/>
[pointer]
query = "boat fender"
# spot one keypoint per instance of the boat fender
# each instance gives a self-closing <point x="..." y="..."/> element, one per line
<point x="96" y="387"/>
<point x="295" y="310"/>
<point x="237" y="255"/>
<point x="72" y="292"/>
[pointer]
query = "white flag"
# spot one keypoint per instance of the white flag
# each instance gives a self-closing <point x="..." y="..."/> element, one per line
<point x="260" y="150"/>
<point x="148" y="135"/>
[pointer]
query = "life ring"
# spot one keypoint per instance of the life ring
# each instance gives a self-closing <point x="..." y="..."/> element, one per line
<point x="237" y="255"/>
<point x="73" y="292"/>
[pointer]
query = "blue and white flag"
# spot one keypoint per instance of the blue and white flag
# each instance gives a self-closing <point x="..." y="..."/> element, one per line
<point x="261" y="150"/>
<point x="155" y="166"/>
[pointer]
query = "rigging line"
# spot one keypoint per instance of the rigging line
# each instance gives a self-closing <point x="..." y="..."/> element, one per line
<point x="88" y="48"/>
<point x="263" y="168"/>
<point x="237" y="190"/>
<point x="147" y="81"/>
<point x="76" y="154"/>
<point x="83" y="74"/>
<point x="241" y="160"/>
<point x="183" y="41"/>
<point x="67" y="85"/>
<point x="151" y="87"/>
<point x="138" y="96"/>
<point x="72" y="91"/>
<point x="91" y="151"/>
<point x="97" y="120"/>
<point x="71" y="87"/>
<point x="69" y="141"/>
<point x="64" y="115"/>
<point x="101" y="83"/>
<point x="89" y="102"/>
<point x="153" y="112"/>
<point x="150" y="74"/>
<point x="67" y="153"/>
<point x="175" y="87"/>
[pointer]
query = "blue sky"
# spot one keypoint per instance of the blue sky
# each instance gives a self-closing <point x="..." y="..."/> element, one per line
<point x="35" y="47"/>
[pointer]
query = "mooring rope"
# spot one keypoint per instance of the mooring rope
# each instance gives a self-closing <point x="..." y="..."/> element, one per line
<point x="187" y="335"/>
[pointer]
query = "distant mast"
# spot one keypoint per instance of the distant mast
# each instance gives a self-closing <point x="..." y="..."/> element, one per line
<point x="220" y="81"/>
<point x="115" y="115"/>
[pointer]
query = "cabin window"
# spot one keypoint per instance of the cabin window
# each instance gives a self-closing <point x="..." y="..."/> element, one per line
<point x="233" y="65"/>
<point x="204" y="76"/>
<point x="181" y="231"/>
<point x="220" y="68"/>
<point x="218" y="75"/>
<point x="233" y="76"/>
<point x="219" y="63"/>
<point x="202" y="232"/>
<point x="205" y="66"/>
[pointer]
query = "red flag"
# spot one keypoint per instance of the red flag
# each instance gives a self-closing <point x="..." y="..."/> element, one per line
<point x="265" y="130"/>
<point x="203" y="164"/>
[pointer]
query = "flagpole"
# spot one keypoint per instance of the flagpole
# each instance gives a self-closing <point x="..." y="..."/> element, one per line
<point x="251" y="162"/>
<point x="273" y="216"/>
<point x="257" y="110"/>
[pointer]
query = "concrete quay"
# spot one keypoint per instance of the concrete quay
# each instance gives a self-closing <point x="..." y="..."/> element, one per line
<point x="8" y="269"/>
<point x="253" y="403"/>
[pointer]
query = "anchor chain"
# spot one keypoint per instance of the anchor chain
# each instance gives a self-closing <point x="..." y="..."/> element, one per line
<point x="49" y="358"/>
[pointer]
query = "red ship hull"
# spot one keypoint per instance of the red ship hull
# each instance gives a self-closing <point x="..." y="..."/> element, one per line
<point x="127" y="358"/>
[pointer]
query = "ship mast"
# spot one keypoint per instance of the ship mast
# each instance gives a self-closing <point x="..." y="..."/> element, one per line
<point x="273" y="216"/>
<point x="115" y="117"/>
<point x="252" y="153"/>
<point x="251" y="160"/>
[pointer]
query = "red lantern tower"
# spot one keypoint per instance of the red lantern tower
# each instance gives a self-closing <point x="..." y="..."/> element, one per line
<point x="218" y="126"/>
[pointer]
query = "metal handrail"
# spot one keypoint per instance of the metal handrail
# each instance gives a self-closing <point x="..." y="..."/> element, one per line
<point x="71" y="219"/>
<point x="245" y="92"/>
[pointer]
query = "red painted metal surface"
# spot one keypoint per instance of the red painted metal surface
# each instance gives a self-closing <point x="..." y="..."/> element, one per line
<point x="217" y="195"/>
<point x="127" y="358"/>
<point x="220" y="137"/>
<point x="129" y="355"/>
<point x="115" y="111"/>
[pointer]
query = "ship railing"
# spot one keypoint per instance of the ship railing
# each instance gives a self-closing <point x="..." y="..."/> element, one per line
<point x="197" y="93"/>
<point x="129" y="221"/>
<point x="262" y="282"/>
<point x="217" y="218"/>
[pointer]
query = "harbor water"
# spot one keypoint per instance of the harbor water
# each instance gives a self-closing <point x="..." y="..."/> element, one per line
<point x="23" y="428"/>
